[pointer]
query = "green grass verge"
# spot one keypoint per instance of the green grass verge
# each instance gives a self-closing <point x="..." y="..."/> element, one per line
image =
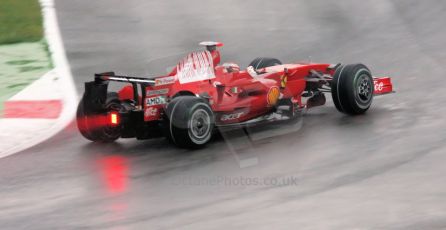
<point x="24" y="55"/>
<point x="20" y="21"/>
<point x="20" y="65"/>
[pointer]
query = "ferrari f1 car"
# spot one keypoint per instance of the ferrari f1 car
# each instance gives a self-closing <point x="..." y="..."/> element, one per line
<point x="201" y="95"/>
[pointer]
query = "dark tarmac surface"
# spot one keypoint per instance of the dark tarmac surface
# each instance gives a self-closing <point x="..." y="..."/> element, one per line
<point x="384" y="170"/>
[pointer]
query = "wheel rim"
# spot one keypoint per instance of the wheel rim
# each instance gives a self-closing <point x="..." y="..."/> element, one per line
<point x="364" y="88"/>
<point x="199" y="126"/>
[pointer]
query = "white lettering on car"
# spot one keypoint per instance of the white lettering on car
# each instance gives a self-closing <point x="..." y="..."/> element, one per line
<point x="164" y="81"/>
<point x="159" y="100"/>
<point x="150" y="112"/>
<point x="231" y="116"/>
<point x="157" y="91"/>
<point x="378" y="85"/>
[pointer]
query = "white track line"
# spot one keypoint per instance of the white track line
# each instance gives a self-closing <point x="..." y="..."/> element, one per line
<point x="54" y="38"/>
<point x="69" y="97"/>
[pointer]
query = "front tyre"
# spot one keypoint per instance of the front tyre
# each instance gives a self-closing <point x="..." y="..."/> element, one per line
<point x="352" y="89"/>
<point x="191" y="121"/>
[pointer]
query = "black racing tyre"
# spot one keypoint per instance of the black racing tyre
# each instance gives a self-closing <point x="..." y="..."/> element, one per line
<point x="262" y="62"/>
<point x="83" y="122"/>
<point x="352" y="89"/>
<point x="90" y="129"/>
<point x="190" y="121"/>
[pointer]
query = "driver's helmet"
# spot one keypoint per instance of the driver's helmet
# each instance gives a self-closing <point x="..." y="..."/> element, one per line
<point x="231" y="67"/>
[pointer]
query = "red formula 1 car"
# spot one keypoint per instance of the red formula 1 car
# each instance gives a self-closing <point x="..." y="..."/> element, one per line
<point x="199" y="95"/>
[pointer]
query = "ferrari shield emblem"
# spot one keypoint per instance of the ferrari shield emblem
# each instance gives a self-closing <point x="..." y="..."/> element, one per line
<point x="283" y="80"/>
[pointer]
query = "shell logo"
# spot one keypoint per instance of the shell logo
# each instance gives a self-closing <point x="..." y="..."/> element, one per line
<point x="273" y="95"/>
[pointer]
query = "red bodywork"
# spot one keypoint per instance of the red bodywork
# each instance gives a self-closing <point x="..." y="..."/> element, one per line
<point x="234" y="95"/>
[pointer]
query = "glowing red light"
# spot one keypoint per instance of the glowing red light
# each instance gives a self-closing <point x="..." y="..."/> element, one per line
<point x="114" y="118"/>
<point x="115" y="173"/>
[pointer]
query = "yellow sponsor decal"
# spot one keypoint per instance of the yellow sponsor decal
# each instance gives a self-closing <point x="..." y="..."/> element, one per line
<point x="273" y="95"/>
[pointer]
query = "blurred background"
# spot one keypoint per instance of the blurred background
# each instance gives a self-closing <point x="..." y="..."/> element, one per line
<point x="383" y="170"/>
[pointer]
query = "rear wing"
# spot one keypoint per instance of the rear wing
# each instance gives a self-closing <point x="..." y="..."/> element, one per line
<point x="95" y="96"/>
<point x="110" y="76"/>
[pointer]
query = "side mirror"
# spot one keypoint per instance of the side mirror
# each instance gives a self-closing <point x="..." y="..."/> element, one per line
<point x="219" y="85"/>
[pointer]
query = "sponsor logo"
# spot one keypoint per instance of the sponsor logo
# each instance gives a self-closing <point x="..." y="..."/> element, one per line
<point x="231" y="116"/>
<point x="379" y="86"/>
<point x="273" y="95"/>
<point x="283" y="80"/>
<point x="159" y="100"/>
<point x="196" y="66"/>
<point x="157" y="91"/>
<point x="164" y="81"/>
<point x="235" y="90"/>
<point x="150" y="112"/>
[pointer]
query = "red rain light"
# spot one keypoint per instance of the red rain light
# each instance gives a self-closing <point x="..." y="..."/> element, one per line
<point x="114" y="119"/>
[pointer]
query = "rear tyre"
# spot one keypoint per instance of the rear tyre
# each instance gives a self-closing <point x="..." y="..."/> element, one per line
<point x="191" y="121"/>
<point x="90" y="127"/>
<point x="263" y="62"/>
<point x="352" y="89"/>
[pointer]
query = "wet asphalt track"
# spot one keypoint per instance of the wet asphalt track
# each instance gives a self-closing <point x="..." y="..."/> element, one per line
<point x="385" y="170"/>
